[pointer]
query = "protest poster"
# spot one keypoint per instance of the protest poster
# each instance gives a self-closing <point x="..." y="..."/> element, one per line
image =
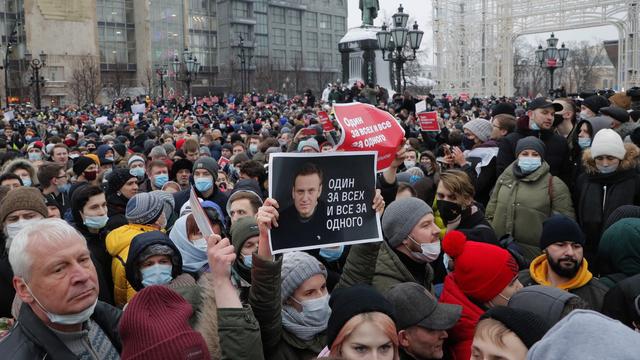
<point x="223" y="161"/>
<point x="9" y="115"/>
<point x="323" y="204"/>
<point x="421" y="106"/>
<point x="138" y="108"/>
<point x="323" y="117"/>
<point x="102" y="120"/>
<point x="429" y="121"/>
<point x="367" y="128"/>
<point x="199" y="215"/>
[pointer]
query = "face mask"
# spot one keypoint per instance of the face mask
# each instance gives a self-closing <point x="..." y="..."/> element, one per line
<point x="68" y="319"/>
<point x="64" y="188"/>
<point x="429" y="252"/>
<point x="468" y="143"/>
<point x="157" y="274"/>
<point x="533" y="125"/>
<point x="584" y="115"/>
<point x="96" y="222"/>
<point x="529" y="164"/>
<point x="137" y="172"/>
<point x="203" y="184"/>
<point x="409" y="164"/>
<point x="315" y="310"/>
<point x="449" y="211"/>
<point x="26" y="181"/>
<point x="35" y="156"/>
<point x="332" y="254"/>
<point x="90" y="175"/>
<point x="446" y="116"/>
<point x="584" y="142"/>
<point x="109" y="158"/>
<point x="606" y="169"/>
<point x="253" y="148"/>
<point x="201" y="244"/>
<point x="28" y="138"/>
<point x="247" y="260"/>
<point x="160" y="179"/>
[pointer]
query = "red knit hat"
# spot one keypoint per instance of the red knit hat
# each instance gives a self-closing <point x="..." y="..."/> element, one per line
<point x="179" y="143"/>
<point x="155" y="325"/>
<point x="481" y="270"/>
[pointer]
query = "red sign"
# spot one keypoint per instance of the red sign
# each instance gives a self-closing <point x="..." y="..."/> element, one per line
<point x="552" y="62"/>
<point x="223" y="161"/>
<point x="429" y="121"/>
<point x="367" y="128"/>
<point x="323" y="117"/>
<point x="464" y="96"/>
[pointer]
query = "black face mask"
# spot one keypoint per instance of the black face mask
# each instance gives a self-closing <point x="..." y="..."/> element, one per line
<point x="468" y="143"/>
<point x="449" y="211"/>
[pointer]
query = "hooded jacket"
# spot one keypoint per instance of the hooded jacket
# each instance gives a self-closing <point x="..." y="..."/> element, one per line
<point x="216" y="196"/>
<point x="116" y="209"/>
<point x="596" y="123"/>
<point x="620" y="301"/>
<point x="619" y="251"/>
<point x="11" y="166"/>
<point x="518" y="206"/>
<point x="597" y="195"/>
<point x="138" y="244"/>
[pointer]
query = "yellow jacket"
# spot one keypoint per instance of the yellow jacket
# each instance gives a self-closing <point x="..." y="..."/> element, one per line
<point x="118" y="242"/>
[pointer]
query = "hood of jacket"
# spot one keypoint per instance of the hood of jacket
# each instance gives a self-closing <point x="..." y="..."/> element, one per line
<point x="12" y="165"/>
<point x="630" y="160"/>
<point x="539" y="268"/>
<point x="620" y="246"/>
<point x="119" y="239"/>
<point x="139" y="243"/>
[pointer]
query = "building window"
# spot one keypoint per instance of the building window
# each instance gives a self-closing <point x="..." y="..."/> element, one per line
<point x="55" y="73"/>
<point x="278" y="58"/>
<point x="325" y="41"/>
<point x="243" y="30"/>
<point x="311" y="59"/>
<point x="294" y="38"/>
<point x="294" y="60"/>
<point x="261" y="24"/>
<point x="240" y="9"/>
<point x="325" y="60"/>
<point x="278" y="15"/>
<point x="278" y="37"/>
<point x="262" y="45"/>
<point x="293" y="17"/>
<point x="338" y="23"/>
<point x="310" y="20"/>
<point x="260" y="6"/>
<point x="325" y="21"/>
<point x="312" y="40"/>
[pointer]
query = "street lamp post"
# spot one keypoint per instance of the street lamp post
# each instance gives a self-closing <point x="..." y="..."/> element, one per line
<point x="245" y="60"/>
<point x="548" y="58"/>
<point x="393" y="41"/>
<point x="36" y="64"/>
<point x="161" y="70"/>
<point x="186" y="70"/>
<point x="11" y="41"/>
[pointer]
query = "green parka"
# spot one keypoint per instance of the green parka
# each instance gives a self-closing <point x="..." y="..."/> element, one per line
<point x="519" y="205"/>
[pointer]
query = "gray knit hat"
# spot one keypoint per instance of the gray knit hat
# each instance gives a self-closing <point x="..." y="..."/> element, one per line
<point x="144" y="208"/>
<point x="297" y="267"/>
<point x="400" y="217"/>
<point x="530" y="143"/>
<point x="208" y="164"/>
<point x="481" y="128"/>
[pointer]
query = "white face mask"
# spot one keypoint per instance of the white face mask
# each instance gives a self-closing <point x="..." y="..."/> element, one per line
<point x="201" y="244"/>
<point x="409" y="163"/>
<point x="11" y="230"/>
<point x="68" y="319"/>
<point x="430" y="251"/>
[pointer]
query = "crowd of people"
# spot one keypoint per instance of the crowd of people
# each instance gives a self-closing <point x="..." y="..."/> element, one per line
<point x="511" y="233"/>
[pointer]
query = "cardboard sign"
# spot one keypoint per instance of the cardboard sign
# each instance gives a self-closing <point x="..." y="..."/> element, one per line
<point x="138" y="108"/>
<point x="223" y="161"/>
<point x="364" y="127"/>
<point x="421" y="106"/>
<point x="339" y="211"/>
<point x="199" y="215"/>
<point x="9" y="115"/>
<point x="324" y="119"/>
<point x="429" y="121"/>
<point x="102" y="120"/>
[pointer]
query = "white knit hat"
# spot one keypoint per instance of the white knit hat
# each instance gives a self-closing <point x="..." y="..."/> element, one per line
<point x="607" y="142"/>
<point x="481" y="128"/>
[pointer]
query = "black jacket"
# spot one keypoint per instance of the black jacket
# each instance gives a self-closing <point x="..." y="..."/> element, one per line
<point x="619" y="302"/>
<point x="102" y="262"/>
<point x="138" y="244"/>
<point x="217" y="197"/>
<point x="31" y="339"/>
<point x="7" y="292"/>
<point x="556" y="149"/>
<point x="116" y="209"/>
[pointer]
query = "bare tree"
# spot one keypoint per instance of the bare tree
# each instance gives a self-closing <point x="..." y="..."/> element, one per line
<point x="296" y="65"/>
<point x="147" y="81"/>
<point x="582" y="66"/>
<point x="86" y="78"/>
<point x="116" y="81"/>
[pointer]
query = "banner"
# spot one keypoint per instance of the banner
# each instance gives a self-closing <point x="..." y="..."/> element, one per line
<point x="9" y="115"/>
<point x="323" y="204"/>
<point x="102" y="120"/>
<point x="367" y="128"/>
<point x="138" y="108"/>
<point x="429" y="121"/>
<point x="324" y="119"/>
<point x="421" y="106"/>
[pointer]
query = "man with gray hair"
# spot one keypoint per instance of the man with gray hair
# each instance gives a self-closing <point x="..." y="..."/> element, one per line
<point x="158" y="153"/>
<point x="60" y="316"/>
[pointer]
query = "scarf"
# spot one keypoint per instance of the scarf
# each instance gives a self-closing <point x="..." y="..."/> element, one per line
<point x="193" y="259"/>
<point x="304" y="329"/>
<point x="539" y="268"/>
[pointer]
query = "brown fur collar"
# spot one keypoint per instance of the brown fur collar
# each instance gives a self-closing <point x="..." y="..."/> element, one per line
<point x="630" y="160"/>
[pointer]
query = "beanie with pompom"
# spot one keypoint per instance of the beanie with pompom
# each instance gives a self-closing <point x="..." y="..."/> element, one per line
<point x="481" y="270"/>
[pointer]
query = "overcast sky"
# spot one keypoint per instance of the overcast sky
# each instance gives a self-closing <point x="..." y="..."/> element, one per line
<point x="421" y="10"/>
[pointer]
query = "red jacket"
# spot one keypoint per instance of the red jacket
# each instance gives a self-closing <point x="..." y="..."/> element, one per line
<point x="461" y="335"/>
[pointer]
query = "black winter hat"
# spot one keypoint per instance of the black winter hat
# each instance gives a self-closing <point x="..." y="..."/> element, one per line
<point x="116" y="180"/>
<point x="595" y="103"/>
<point x="560" y="228"/>
<point x="503" y="108"/>
<point x="81" y="164"/>
<point x="623" y="212"/>
<point x="121" y="149"/>
<point x="348" y="302"/>
<point x="617" y="113"/>
<point x="182" y="164"/>
<point x="529" y="327"/>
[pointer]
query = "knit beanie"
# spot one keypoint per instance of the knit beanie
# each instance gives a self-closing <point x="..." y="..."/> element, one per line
<point x="607" y="142"/>
<point x="595" y="103"/>
<point x="135" y="158"/>
<point x="121" y="149"/>
<point x="529" y="327"/>
<point x="619" y="247"/>
<point x="208" y="164"/>
<point x="155" y="325"/>
<point x="242" y="230"/>
<point x="545" y="301"/>
<point x="560" y="228"/>
<point x="348" y="302"/>
<point x="530" y="143"/>
<point x="81" y="164"/>
<point x="312" y="143"/>
<point x="116" y="180"/>
<point x="503" y="108"/>
<point x="622" y="212"/>
<point x="23" y="198"/>
<point x="400" y="217"/>
<point x="481" y="270"/>
<point x="182" y="164"/>
<point x="481" y="128"/>
<point x="144" y="208"/>
<point x="297" y="267"/>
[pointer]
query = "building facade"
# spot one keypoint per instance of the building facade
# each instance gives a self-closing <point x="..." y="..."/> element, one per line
<point x="289" y="45"/>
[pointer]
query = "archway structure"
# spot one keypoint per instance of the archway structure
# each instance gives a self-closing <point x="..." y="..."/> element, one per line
<point x="473" y="39"/>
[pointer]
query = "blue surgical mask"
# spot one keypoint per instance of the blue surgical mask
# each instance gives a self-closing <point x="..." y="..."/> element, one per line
<point x="203" y="183"/>
<point x="26" y="181"/>
<point x="584" y="142"/>
<point x="247" y="260"/>
<point x="253" y="148"/>
<point x="529" y="164"/>
<point x="607" y="169"/>
<point x="34" y="156"/>
<point x="109" y="158"/>
<point x="137" y="172"/>
<point x="161" y="179"/>
<point x="315" y="311"/>
<point x="64" y="188"/>
<point x="332" y="254"/>
<point x="158" y="274"/>
<point x="96" y="222"/>
<point x="533" y="125"/>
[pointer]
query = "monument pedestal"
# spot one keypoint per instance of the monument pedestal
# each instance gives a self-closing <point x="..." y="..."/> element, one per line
<point x="362" y="58"/>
